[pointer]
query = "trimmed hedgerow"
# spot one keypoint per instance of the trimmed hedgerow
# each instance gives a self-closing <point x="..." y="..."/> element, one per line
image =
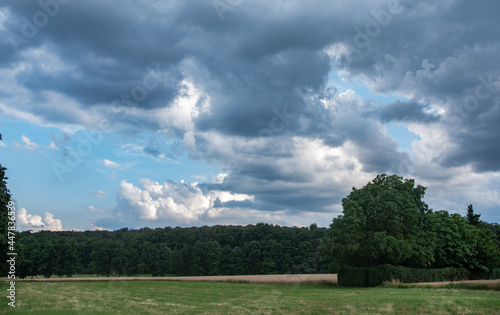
<point x="374" y="276"/>
<point x="353" y="276"/>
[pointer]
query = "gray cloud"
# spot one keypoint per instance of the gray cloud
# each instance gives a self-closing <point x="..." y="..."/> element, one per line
<point x="135" y="64"/>
<point x="439" y="54"/>
<point x="406" y="111"/>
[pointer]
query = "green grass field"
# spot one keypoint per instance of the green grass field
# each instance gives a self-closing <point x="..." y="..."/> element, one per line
<point x="160" y="297"/>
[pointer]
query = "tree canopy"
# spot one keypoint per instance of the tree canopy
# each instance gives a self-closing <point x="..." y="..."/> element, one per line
<point x="218" y="250"/>
<point x="471" y="216"/>
<point x="387" y="222"/>
<point x="383" y="223"/>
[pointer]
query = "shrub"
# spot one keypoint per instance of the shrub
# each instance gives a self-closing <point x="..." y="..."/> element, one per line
<point x="353" y="276"/>
<point x="456" y="274"/>
<point x="374" y="276"/>
<point x="382" y="273"/>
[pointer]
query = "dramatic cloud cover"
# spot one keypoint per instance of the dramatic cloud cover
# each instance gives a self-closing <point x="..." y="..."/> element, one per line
<point x="153" y="113"/>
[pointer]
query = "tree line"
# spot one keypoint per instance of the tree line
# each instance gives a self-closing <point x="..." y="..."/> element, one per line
<point x="196" y="251"/>
<point x="387" y="222"/>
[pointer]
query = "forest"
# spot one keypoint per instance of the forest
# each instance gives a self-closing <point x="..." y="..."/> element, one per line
<point x="217" y="250"/>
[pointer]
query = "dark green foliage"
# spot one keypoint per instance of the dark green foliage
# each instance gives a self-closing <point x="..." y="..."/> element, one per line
<point x="487" y="248"/>
<point x="456" y="274"/>
<point x="206" y="258"/>
<point x="490" y="275"/>
<point x="472" y="217"/>
<point x="455" y="245"/>
<point x="382" y="273"/>
<point x="218" y="250"/>
<point x="4" y="201"/>
<point x="375" y="276"/>
<point x="353" y="276"/>
<point x="461" y="244"/>
<point x="385" y="222"/>
<point x="108" y="258"/>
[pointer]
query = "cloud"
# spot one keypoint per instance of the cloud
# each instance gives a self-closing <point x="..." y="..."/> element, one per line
<point x="189" y="142"/>
<point x="29" y="221"/>
<point x="219" y="179"/>
<point x="52" y="224"/>
<point x="35" y="222"/>
<point x="109" y="163"/>
<point x="171" y="201"/>
<point x="92" y="227"/>
<point x="28" y="144"/>
<point x="453" y="71"/>
<point x="52" y="146"/>
<point x="94" y="209"/>
<point x="99" y="194"/>
<point x="258" y="99"/>
<point x="407" y="111"/>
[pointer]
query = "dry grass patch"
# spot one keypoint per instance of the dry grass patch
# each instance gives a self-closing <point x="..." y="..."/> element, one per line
<point x="259" y="279"/>
<point x="467" y="284"/>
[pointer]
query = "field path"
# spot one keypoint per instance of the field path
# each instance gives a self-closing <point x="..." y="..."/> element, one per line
<point x="263" y="279"/>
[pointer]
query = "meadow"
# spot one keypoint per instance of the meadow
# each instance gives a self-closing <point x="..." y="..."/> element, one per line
<point x="160" y="297"/>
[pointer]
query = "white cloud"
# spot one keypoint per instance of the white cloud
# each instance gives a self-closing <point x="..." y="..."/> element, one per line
<point x="28" y="221"/>
<point x="109" y="163"/>
<point x="2" y="144"/>
<point x="20" y="115"/>
<point x="184" y="109"/>
<point x="52" y="224"/>
<point x="52" y="146"/>
<point x="219" y="179"/>
<point x="34" y="222"/>
<point x="94" y="209"/>
<point x="28" y="144"/>
<point x="93" y="227"/>
<point x="99" y="194"/>
<point x="178" y="202"/>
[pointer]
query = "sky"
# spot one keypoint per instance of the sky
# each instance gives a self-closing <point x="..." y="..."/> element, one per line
<point x="149" y="113"/>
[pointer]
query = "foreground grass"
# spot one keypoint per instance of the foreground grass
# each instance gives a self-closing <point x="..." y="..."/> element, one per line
<point x="159" y="297"/>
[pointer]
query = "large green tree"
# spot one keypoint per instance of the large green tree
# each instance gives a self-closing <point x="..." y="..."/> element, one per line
<point x="383" y="222"/>
<point x="4" y="201"/>
<point x="456" y="241"/>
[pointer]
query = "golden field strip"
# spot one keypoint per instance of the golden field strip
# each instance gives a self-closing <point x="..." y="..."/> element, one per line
<point x="257" y="279"/>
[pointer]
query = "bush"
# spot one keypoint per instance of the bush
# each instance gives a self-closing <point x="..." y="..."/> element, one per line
<point x="382" y="273"/>
<point x="353" y="276"/>
<point x="456" y="274"/>
<point x="495" y="273"/>
<point x="363" y="276"/>
<point x="492" y="274"/>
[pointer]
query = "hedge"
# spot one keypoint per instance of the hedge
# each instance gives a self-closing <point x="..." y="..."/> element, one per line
<point x="374" y="276"/>
<point x="353" y="276"/>
<point x="492" y="274"/>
